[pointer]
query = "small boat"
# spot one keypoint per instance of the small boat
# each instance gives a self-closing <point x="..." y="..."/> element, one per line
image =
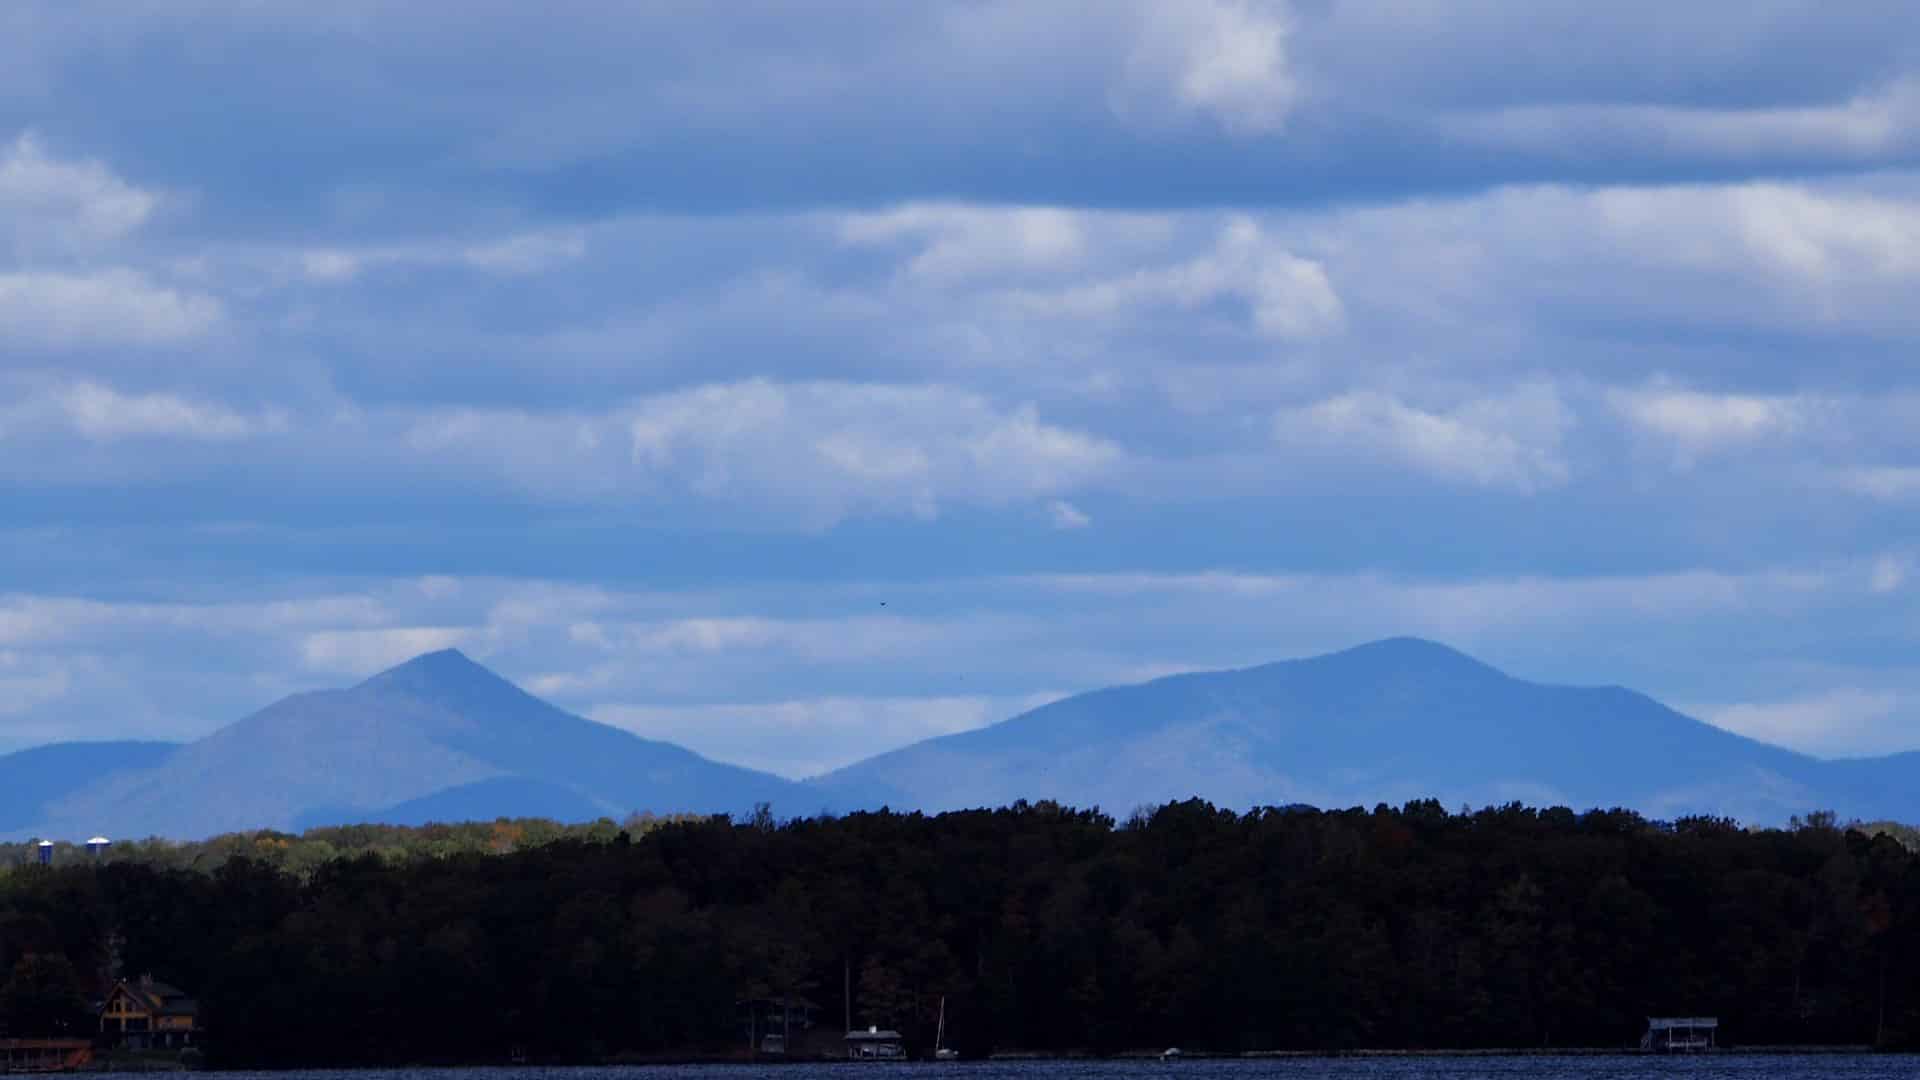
<point x="1171" y="1053"/>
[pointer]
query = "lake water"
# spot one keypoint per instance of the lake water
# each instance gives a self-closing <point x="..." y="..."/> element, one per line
<point x="1715" y="1067"/>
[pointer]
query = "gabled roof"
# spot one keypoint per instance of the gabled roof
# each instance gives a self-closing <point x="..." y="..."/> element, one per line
<point x="1668" y="1023"/>
<point x="158" y="998"/>
<point x="793" y="1001"/>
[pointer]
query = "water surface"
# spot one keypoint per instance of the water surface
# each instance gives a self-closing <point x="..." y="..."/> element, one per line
<point x="1714" y="1067"/>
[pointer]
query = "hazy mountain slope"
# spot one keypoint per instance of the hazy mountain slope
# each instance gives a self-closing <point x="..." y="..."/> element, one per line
<point x="435" y="723"/>
<point x="1391" y="721"/>
<point x="1879" y="788"/>
<point x="32" y="779"/>
<point x="525" y="736"/>
<point x="482" y="800"/>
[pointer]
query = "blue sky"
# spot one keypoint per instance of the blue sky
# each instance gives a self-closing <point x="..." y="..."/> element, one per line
<point x="795" y="381"/>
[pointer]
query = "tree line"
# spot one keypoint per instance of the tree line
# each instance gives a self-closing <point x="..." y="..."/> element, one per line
<point x="1044" y="928"/>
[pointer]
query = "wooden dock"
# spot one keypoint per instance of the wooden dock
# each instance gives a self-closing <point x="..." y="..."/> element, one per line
<point x="45" y="1055"/>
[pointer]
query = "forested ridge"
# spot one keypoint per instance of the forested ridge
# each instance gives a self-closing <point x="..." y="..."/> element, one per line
<point x="1045" y="928"/>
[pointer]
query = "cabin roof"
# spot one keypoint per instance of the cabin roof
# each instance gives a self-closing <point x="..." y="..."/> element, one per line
<point x="1668" y="1023"/>
<point x="160" y="998"/>
<point x="794" y="1001"/>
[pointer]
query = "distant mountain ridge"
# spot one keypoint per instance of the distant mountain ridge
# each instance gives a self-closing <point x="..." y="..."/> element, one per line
<point x="1390" y="721"/>
<point x="442" y="738"/>
<point x="32" y="779"/>
<point x="438" y="732"/>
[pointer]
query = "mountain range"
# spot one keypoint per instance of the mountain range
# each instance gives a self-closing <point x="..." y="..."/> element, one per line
<point x="437" y="737"/>
<point x="1391" y="721"/>
<point x="442" y="738"/>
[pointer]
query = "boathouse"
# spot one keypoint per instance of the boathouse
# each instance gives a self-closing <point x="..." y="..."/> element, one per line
<point x="779" y="1025"/>
<point x="1680" y="1034"/>
<point x="875" y="1044"/>
<point x="44" y="1055"/>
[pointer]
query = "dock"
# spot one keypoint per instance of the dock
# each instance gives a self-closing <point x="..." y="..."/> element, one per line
<point x="45" y="1055"/>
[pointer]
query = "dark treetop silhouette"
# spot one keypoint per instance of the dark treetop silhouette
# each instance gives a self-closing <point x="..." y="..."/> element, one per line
<point x="1043" y="928"/>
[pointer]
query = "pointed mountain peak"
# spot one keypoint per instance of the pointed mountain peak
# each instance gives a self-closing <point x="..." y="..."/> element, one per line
<point x="445" y="673"/>
<point x="439" y="660"/>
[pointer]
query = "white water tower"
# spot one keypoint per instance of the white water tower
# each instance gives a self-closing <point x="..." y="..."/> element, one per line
<point x="98" y="846"/>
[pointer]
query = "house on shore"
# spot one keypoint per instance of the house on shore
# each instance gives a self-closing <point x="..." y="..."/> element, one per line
<point x="146" y="1014"/>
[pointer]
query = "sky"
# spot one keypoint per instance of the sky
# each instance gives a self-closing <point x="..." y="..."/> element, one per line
<point x="795" y="381"/>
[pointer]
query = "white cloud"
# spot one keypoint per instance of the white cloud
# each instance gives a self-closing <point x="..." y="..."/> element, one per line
<point x="521" y="253"/>
<point x="1067" y="516"/>
<point x="27" y="683"/>
<point x="110" y="307"/>
<point x="571" y="454"/>
<point x="1891" y="483"/>
<point x="528" y="253"/>
<point x="808" y="737"/>
<point x="803" y="455"/>
<point x="957" y="241"/>
<point x="1446" y="608"/>
<point x="723" y="634"/>
<point x="830" y="449"/>
<point x="843" y="639"/>
<point x="1826" y="238"/>
<point x="364" y="652"/>
<point x="688" y="660"/>
<point x="62" y="206"/>
<point x="1465" y="607"/>
<point x="102" y="413"/>
<point x="1202" y="582"/>
<point x="987" y="272"/>
<point x="1224" y="59"/>
<point x="329" y="264"/>
<point x="1813" y="238"/>
<point x="46" y="621"/>
<point x="1869" y="126"/>
<point x="1696" y="423"/>
<point x="1890" y="572"/>
<point x="809" y="453"/>
<point x="1464" y="275"/>
<point x="98" y="413"/>
<point x="1287" y="297"/>
<point x="1510" y="442"/>
<point x="1839" y="723"/>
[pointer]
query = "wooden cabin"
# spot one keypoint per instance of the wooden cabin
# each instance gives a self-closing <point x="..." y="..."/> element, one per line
<point x="145" y="1014"/>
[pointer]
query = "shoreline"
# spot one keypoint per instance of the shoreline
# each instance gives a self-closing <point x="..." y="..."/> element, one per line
<point x="689" y="1060"/>
<point x="1841" y="1050"/>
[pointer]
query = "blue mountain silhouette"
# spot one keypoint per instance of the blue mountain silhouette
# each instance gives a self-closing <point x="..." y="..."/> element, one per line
<point x="443" y="738"/>
<point x="437" y="734"/>
<point x="1390" y="721"/>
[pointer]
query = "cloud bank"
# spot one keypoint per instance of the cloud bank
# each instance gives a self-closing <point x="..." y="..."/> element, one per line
<point x="649" y="351"/>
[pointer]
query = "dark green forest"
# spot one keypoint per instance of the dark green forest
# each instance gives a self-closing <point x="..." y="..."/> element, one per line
<point x="1045" y="928"/>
